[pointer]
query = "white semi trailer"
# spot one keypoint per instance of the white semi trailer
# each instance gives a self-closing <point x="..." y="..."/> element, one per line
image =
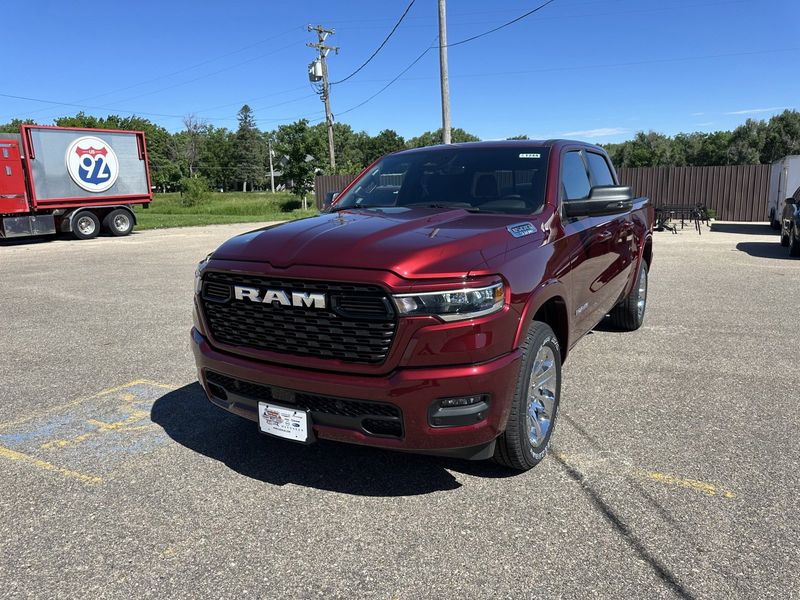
<point x="783" y="182"/>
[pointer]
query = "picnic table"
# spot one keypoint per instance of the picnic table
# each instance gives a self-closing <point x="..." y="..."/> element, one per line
<point x="667" y="216"/>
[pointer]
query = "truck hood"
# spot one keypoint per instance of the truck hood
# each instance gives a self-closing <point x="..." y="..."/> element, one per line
<point x="412" y="243"/>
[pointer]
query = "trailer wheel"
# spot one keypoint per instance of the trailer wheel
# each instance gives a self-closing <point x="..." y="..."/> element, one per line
<point x="85" y="225"/>
<point x="118" y="222"/>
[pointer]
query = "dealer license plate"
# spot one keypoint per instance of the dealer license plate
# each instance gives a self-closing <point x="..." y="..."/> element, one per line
<point x="288" y="423"/>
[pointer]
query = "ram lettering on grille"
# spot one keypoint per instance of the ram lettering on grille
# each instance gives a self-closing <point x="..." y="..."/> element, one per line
<point x="270" y="296"/>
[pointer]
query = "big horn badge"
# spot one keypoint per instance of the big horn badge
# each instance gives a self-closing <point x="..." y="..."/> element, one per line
<point x="92" y="164"/>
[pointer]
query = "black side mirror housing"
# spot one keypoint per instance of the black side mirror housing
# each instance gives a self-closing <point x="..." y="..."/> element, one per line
<point x="791" y="200"/>
<point x="602" y="200"/>
<point x="327" y="201"/>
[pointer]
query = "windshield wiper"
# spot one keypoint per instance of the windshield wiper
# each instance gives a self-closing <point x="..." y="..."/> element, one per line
<point x="337" y="209"/>
<point x="443" y="205"/>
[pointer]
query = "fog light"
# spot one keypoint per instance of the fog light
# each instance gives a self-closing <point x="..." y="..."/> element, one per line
<point x="460" y="411"/>
<point x="462" y="401"/>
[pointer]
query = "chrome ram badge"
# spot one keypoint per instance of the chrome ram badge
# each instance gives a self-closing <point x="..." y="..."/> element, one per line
<point x="300" y="299"/>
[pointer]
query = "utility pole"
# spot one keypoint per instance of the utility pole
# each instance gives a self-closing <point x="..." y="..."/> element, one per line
<point x="316" y="74"/>
<point x="271" y="169"/>
<point x="443" y="73"/>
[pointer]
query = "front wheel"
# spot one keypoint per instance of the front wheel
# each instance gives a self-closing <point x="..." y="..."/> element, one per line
<point x="534" y="407"/>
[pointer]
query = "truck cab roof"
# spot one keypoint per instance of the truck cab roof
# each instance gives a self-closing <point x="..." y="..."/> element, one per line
<point x="550" y="143"/>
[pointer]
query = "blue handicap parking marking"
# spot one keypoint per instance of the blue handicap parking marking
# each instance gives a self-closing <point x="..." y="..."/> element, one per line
<point x="90" y="434"/>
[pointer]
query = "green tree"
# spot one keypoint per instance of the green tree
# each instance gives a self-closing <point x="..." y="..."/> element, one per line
<point x="649" y="149"/>
<point x="14" y="125"/>
<point x="746" y="143"/>
<point x="782" y="136"/>
<point x="248" y="150"/>
<point x="521" y="136"/>
<point x="295" y="142"/>
<point x="351" y="148"/>
<point x="700" y="149"/>
<point x="216" y="161"/>
<point x="385" y="142"/>
<point x="432" y="138"/>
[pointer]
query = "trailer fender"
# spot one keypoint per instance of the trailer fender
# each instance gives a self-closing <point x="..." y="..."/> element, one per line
<point x="65" y="219"/>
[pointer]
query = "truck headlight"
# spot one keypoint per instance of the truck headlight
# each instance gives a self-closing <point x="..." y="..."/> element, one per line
<point x="198" y="273"/>
<point x="453" y="305"/>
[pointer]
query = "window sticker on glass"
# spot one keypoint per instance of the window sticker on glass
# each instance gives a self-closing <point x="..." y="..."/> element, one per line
<point x="530" y="155"/>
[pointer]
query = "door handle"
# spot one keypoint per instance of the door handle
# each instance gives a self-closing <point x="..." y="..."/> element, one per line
<point x="604" y="236"/>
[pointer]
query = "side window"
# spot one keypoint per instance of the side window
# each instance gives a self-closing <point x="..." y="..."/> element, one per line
<point x="601" y="173"/>
<point x="574" y="179"/>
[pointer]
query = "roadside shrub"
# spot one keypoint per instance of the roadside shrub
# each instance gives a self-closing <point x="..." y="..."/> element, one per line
<point x="194" y="191"/>
<point x="290" y="205"/>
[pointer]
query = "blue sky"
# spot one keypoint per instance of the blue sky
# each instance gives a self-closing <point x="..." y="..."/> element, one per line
<point x="593" y="69"/>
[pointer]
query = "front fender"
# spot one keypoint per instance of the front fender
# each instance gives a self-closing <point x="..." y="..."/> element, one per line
<point x="551" y="289"/>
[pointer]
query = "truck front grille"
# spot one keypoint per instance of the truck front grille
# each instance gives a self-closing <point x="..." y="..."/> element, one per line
<point x="357" y="325"/>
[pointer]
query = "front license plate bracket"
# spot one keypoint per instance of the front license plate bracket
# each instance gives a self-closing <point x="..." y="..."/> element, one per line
<point x="285" y="422"/>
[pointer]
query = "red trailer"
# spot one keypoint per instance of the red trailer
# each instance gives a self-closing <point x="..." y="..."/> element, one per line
<point x="67" y="179"/>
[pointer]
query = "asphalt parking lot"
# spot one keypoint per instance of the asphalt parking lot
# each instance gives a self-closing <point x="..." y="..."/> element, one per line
<point x="674" y="471"/>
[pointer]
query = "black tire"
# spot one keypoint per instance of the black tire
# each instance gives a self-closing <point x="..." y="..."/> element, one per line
<point x="628" y="315"/>
<point x="784" y="237"/>
<point x="514" y="449"/>
<point x="85" y="225"/>
<point x="794" y="242"/>
<point x="118" y="222"/>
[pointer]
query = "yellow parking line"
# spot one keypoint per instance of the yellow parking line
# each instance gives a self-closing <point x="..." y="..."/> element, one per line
<point x="46" y="466"/>
<point x="606" y="465"/>
<point x="708" y="489"/>
<point x="100" y="394"/>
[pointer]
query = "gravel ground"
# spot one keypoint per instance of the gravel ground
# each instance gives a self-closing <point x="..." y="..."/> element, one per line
<point x="674" y="470"/>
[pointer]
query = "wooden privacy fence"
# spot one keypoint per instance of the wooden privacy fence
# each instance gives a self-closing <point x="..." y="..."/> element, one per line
<point x="736" y="193"/>
<point x="329" y="183"/>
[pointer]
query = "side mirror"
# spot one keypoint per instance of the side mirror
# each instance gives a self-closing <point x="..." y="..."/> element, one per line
<point x="327" y="201"/>
<point x="602" y="200"/>
<point x="791" y="200"/>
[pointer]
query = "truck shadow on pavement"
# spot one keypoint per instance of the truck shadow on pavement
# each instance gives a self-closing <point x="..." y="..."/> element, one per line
<point x="616" y="518"/>
<point x="191" y="420"/>
<point x="765" y="250"/>
<point x="743" y="228"/>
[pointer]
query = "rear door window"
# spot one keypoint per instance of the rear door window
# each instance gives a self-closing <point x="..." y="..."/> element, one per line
<point x="574" y="178"/>
<point x="598" y="167"/>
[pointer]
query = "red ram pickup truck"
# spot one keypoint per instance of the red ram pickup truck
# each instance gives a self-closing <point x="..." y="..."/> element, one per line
<point x="431" y="308"/>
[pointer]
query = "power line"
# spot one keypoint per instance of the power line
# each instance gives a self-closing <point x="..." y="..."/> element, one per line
<point x="383" y="43"/>
<point x="71" y="104"/>
<point x="222" y="70"/>
<point x="416" y="60"/>
<point x="383" y="89"/>
<point x="194" y="66"/>
<point x="498" y="28"/>
<point x="182" y="70"/>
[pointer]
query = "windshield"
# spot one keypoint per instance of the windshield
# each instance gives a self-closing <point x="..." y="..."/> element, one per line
<point x="500" y="180"/>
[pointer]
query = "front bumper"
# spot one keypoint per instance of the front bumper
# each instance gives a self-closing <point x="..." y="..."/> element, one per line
<point x="411" y="390"/>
